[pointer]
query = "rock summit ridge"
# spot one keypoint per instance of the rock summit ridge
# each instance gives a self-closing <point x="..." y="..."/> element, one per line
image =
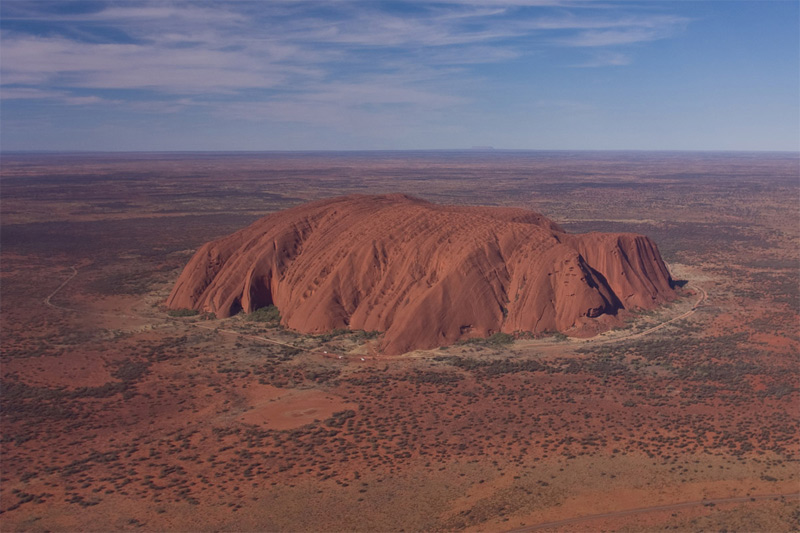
<point x="427" y="275"/>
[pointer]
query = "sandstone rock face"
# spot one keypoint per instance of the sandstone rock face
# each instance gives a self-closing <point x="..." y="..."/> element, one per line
<point x="427" y="275"/>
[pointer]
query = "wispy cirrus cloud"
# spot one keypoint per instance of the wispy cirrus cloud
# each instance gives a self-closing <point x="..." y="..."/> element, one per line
<point x="29" y="93"/>
<point x="582" y="22"/>
<point x="63" y="63"/>
<point x="614" y="37"/>
<point x="300" y="61"/>
<point x="65" y="97"/>
<point x="605" y="58"/>
<point x="531" y="3"/>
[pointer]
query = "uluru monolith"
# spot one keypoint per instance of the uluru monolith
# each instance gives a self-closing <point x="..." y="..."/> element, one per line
<point x="427" y="275"/>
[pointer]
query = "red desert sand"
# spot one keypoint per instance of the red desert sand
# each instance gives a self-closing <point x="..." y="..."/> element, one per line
<point x="427" y="275"/>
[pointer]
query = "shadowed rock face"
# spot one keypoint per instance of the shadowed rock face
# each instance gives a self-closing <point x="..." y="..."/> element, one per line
<point x="426" y="274"/>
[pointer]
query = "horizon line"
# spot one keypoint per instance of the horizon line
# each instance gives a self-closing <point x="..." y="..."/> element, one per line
<point x="402" y="150"/>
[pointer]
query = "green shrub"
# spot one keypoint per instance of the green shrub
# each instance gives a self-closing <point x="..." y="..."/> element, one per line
<point x="269" y="313"/>
<point x="325" y="337"/>
<point x="364" y="335"/>
<point x="183" y="312"/>
<point x="500" y="338"/>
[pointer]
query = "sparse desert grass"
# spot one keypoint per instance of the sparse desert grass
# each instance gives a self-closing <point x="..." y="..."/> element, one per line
<point x="156" y="425"/>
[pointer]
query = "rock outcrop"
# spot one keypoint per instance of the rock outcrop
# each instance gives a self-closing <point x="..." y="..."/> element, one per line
<point x="427" y="275"/>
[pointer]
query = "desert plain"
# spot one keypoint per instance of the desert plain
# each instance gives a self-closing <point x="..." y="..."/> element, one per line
<point x="119" y="414"/>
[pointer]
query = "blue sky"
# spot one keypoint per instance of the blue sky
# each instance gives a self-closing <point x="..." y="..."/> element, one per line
<point x="345" y="75"/>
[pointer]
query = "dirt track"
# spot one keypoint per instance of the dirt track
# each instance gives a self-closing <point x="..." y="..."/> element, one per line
<point x="47" y="301"/>
<point x="421" y="353"/>
<point x="693" y="310"/>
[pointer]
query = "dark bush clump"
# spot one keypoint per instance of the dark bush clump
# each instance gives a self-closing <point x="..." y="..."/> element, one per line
<point x="183" y="312"/>
<point x="269" y="313"/>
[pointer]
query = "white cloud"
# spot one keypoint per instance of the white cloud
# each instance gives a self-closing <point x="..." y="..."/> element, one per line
<point x="184" y="11"/>
<point x="571" y="22"/>
<point x="28" y="93"/>
<point x="66" y="63"/>
<point x="530" y="3"/>
<point x="606" y="58"/>
<point x="86" y="100"/>
<point x="303" y="61"/>
<point x="611" y="37"/>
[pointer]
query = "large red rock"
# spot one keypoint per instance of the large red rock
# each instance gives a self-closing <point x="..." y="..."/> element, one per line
<point x="426" y="274"/>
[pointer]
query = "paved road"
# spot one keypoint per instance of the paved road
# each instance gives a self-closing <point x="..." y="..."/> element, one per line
<point x="653" y="509"/>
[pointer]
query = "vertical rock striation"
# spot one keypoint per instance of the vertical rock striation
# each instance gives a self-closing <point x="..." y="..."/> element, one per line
<point x="427" y="275"/>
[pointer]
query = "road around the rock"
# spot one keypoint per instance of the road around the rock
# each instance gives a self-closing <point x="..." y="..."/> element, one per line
<point x="420" y="353"/>
<point x="693" y="310"/>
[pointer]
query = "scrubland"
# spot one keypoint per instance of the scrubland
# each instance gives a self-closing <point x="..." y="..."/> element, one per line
<point x="117" y="415"/>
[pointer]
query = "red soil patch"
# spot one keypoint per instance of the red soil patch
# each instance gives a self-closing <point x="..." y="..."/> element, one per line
<point x="281" y="409"/>
<point x="72" y="369"/>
